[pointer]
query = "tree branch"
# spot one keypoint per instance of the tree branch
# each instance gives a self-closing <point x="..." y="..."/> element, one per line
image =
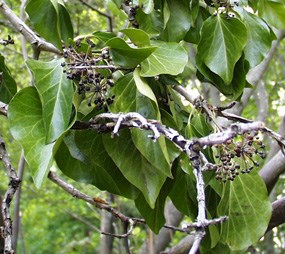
<point x="13" y="186"/>
<point x="22" y="28"/>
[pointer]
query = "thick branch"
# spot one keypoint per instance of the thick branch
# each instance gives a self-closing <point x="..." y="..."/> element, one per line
<point x="22" y="28"/>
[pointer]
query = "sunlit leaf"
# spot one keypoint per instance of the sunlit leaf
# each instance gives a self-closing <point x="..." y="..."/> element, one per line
<point x="27" y="127"/>
<point x="56" y="93"/>
<point x="168" y="58"/>
<point x="137" y="36"/>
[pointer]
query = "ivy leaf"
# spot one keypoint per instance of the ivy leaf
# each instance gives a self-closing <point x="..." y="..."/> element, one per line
<point x="150" y="23"/>
<point x="137" y="36"/>
<point x="53" y="13"/>
<point x="83" y="158"/>
<point x="56" y="93"/>
<point x="133" y="165"/>
<point x="134" y="94"/>
<point x="221" y="45"/>
<point x="147" y="6"/>
<point x="233" y="90"/>
<point x="179" y="20"/>
<point x="273" y="12"/>
<point x="103" y="36"/>
<point x="168" y="58"/>
<point x="154" y="216"/>
<point x="8" y="86"/>
<point x="259" y="38"/>
<point x="126" y="56"/>
<point x="246" y="203"/>
<point x="27" y="127"/>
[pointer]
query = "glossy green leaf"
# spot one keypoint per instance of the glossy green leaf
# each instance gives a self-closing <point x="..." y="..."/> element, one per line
<point x="154" y="216"/>
<point x="126" y="56"/>
<point x="259" y="38"/>
<point x="233" y="90"/>
<point x="150" y="23"/>
<point x="27" y="127"/>
<point x="133" y="165"/>
<point x="83" y="158"/>
<point x="51" y="20"/>
<point x="178" y="22"/>
<point x="273" y="12"/>
<point x="168" y="58"/>
<point x="246" y="203"/>
<point x="56" y="93"/>
<point x="8" y="86"/>
<point x="183" y="193"/>
<point x="140" y="98"/>
<point x="147" y="6"/>
<point x="137" y="36"/>
<point x="221" y="45"/>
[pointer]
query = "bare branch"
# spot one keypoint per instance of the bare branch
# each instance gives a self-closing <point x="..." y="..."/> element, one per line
<point x="22" y="28"/>
<point x="13" y="186"/>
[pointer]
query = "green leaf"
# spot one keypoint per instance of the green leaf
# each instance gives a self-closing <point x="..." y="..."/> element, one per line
<point x="137" y="36"/>
<point x="183" y="193"/>
<point x="83" y="158"/>
<point x="147" y="6"/>
<point x="259" y="38"/>
<point x="103" y="36"/>
<point x="133" y="165"/>
<point x="56" y="93"/>
<point x="245" y="201"/>
<point x="8" y="86"/>
<point x="126" y="56"/>
<point x="154" y="216"/>
<point x="150" y="23"/>
<point x="179" y="20"/>
<point x="168" y="58"/>
<point x="221" y="45"/>
<point x="233" y="90"/>
<point x="272" y="12"/>
<point x="27" y="127"/>
<point x="51" y="20"/>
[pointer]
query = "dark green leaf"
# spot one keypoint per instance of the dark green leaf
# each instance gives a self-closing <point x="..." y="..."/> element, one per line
<point x="168" y="58"/>
<point x="233" y="90"/>
<point x="51" y="20"/>
<point x="246" y="202"/>
<point x="259" y="38"/>
<point x="56" y="93"/>
<point x="126" y="56"/>
<point x="150" y="23"/>
<point x="221" y="45"/>
<point x="27" y="127"/>
<point x="154" y="216"/>
<point x="82" y="157"/>
<point x="133" y="165"/>
<point x="177" y="20"/>
<point x="8" y="86"/>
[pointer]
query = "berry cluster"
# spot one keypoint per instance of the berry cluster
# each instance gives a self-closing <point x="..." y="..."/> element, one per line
<point x="91" y="71"/>
<point x="238" y="156"/>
